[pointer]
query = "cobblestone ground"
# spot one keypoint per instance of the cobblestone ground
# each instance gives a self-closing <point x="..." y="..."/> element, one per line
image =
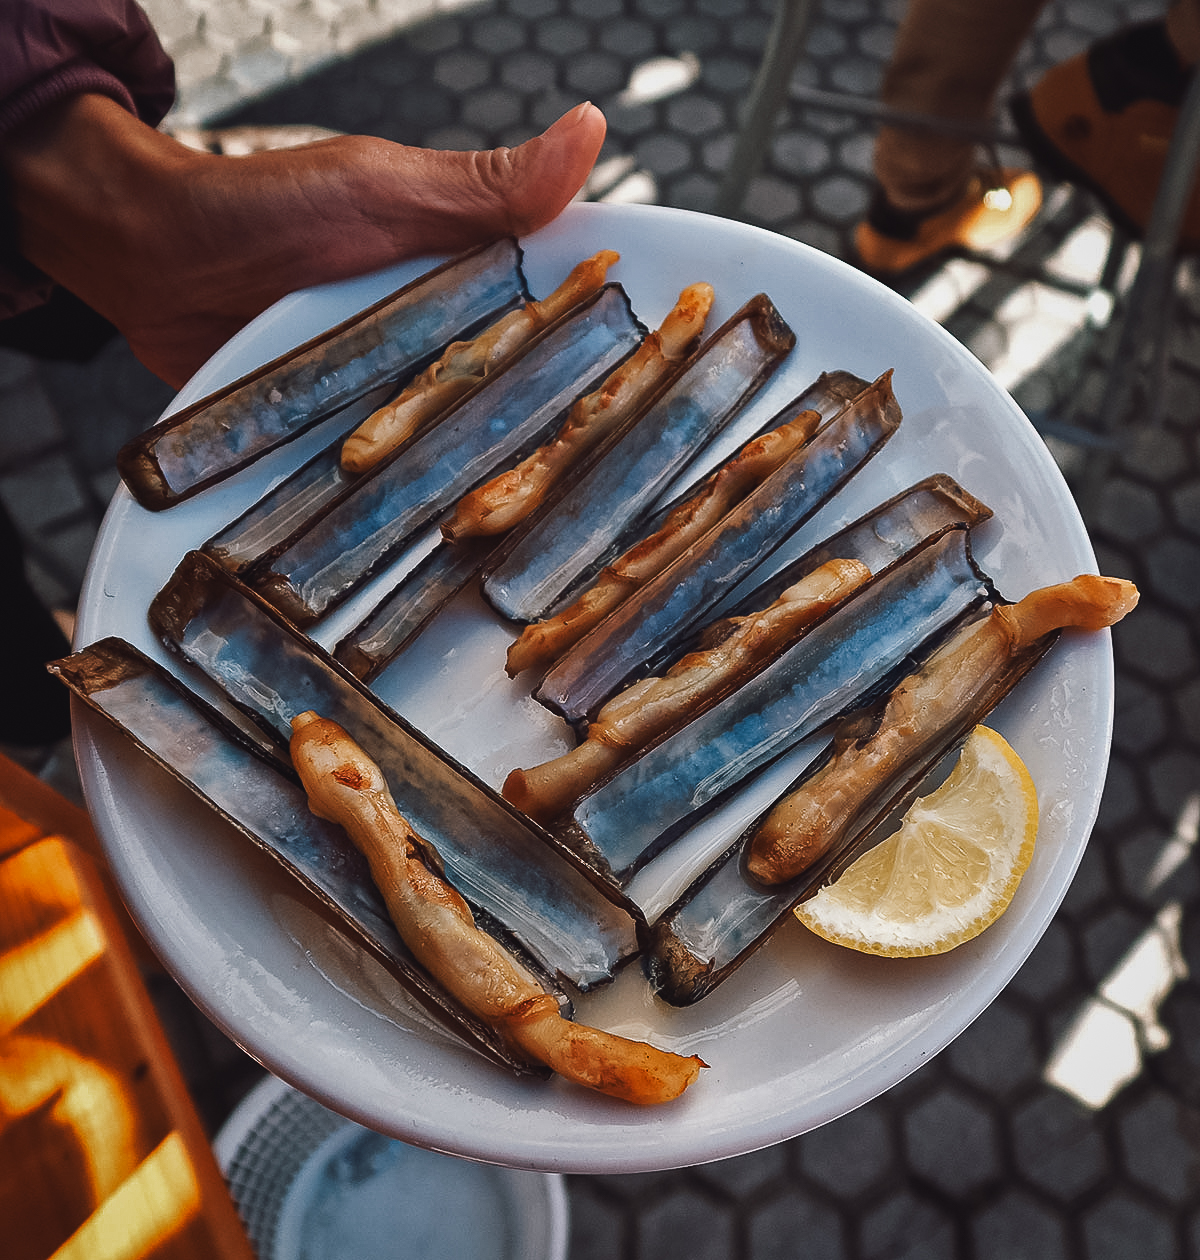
<point x="1066" y="1121"/>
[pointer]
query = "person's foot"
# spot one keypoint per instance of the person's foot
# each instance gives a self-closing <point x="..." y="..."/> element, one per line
<point x="990" y="211"/>
<point x="1103" y="120"/>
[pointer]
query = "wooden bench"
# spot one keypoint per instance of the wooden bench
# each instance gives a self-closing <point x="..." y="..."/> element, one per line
<point x="102" y="1153"/>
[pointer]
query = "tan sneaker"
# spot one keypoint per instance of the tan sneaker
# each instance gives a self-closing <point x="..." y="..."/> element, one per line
<point x="992" y="210"/>
<point x="1104" y="119"/>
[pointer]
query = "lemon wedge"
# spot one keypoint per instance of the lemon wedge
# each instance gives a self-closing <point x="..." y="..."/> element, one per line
<point x="949" y="870"/>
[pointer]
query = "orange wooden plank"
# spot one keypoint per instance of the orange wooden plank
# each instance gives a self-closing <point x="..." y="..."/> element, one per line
<point x="101" y="1150"/>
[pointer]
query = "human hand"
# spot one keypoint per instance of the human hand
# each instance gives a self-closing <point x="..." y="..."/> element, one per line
<point x="179" y="249"/>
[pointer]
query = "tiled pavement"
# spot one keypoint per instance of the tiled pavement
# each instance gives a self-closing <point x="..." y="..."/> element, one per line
<point x="1066" y="1121"/>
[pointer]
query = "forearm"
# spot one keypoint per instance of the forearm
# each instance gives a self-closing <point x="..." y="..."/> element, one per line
<point x="50" y="52"/>
<point x="85" y="178"/>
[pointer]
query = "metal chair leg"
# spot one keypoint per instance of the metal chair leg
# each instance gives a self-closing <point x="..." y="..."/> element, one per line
<point x="784" y="45"/>
<point x="1140" y="357"/>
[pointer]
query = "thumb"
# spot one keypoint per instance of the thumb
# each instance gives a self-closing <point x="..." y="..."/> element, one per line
<point x="475" y="196"/>
<point x="542" y="175"/>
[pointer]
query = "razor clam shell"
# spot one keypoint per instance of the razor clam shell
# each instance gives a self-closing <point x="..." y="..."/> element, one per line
<point x="842" y="659"/>
<point x="878" y="539"/>
<point x="657" y="618"/>
<point x="613" y="491"/>
<point x="264" y="529"/>
<point x="726" y="914"/>
<point x="259" y="796"/>
<point x="410" y="605"/>
<point x="220" y="434"/>
<point x="500" y="861"/>
<point x="502" y="418"/>
<point x="826" y="396"/>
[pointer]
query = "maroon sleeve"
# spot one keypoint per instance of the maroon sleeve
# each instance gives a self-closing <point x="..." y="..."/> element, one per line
<point x="54" y="49"/>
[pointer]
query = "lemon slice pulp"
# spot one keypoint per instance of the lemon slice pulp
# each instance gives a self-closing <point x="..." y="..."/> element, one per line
<point x="949" y="870"/>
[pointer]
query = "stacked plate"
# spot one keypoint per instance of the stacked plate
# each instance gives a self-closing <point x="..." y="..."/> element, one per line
<point x="312" y="1185"/>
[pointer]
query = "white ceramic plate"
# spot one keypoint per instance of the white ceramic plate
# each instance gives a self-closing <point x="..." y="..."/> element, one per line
<point x="806" y="1031"/>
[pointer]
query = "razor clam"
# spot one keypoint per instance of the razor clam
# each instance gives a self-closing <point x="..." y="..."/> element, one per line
<point x="504" y="416"/>
<point x="512" y="495"/>
<point x="614" y="491"/>
<point x="498" y="860"/>
<point x="345" y="784"/>
<point x="886" y="751"/>
<point x="660" y="615"/>
<point x="465" y="364"/>
<point x="728" y="913"/>
<point x="395" y="336"/>
<point x="844" y="657"/>
<point x="257" y="793"/>
<point x="654" y="706"/>
<point x="407" y="609"/>
<point x="676" y="525"/>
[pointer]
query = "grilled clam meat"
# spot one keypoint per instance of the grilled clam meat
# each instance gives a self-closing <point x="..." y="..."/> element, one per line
<point x="582" y="524"/>
<point x="253" y="787"/>
<point x="661" y="615"/>
<point x="508" y="413"/>
<point x="653" y="706"/>
<point x="464" y="364"/>
<point x="546" y="640"/>
<point x="347" y="787"/>
<point x="218" y="435"/>
<point x="840" y="660"/>
<point x="727" y="913"/>
<point x="503" y="865"/>
<point x="511" y="496"/>
<point x="921" y="719"/>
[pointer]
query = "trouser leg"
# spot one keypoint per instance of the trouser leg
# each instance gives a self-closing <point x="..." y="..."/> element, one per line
<point x="1183" y="29"/>
<point x="949" y="60"/>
